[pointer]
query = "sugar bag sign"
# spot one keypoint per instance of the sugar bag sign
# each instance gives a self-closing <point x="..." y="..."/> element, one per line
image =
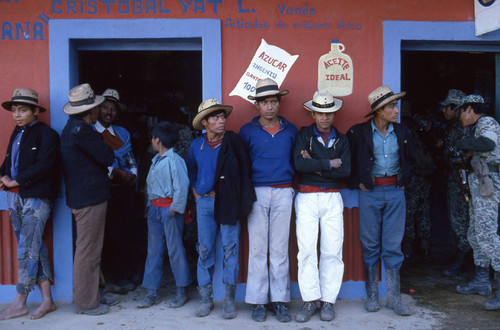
<point x="268" y="62"/>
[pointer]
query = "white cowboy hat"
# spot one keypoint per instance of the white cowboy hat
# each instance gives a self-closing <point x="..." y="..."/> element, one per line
<point x="266" y="87"/>
<point x="207" y="107"/>
<point x="323" y="101"/>
<point x="381" y="96"/>
<point x="23" y="96"/>
<point x="81" y="99"/>
<point x="113" y="95"/>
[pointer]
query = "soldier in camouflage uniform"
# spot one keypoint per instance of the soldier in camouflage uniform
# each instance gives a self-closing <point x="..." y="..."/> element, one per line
<point x="484" y="184"/>
<point x="458" y="205"/>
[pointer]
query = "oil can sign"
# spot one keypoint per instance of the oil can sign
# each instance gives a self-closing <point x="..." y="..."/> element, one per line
<point x="268" y="62"/>
<point x="487" y="14"/>
<point x="335" y="71"/>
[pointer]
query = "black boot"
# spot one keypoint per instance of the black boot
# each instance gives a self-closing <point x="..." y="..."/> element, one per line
<point x="455" y="268"/>
<point x="394" y="295"/>
<point x="229" y="309"/>
<point x="480" y="284"/>
<point x="179" y="299"/>
<point x="371" y="284"/>
<point x="206" y="301"/>
<point x="494" y="304"/>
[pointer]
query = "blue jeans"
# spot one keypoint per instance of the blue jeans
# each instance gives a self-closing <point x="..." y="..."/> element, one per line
<point x="382" y="213"/>
<point x="163" y="228"/>
<point x="29" y="217"/>
<point x="207" y="238"/>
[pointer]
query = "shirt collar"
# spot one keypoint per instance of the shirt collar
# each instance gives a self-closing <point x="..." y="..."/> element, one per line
<point x="100" y="128"/>
<point x="332" y="132"/>
<point x="390" y="128"/>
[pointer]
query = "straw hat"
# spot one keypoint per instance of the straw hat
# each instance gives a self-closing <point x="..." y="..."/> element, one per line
<point x="113" y="95"/>
<point x="323" y="101"/>
<point x="266" y="87"/>
<point x="381" y="96"/>
<point x="81" y="99"/>
<point x="207" y="107"/>
<point x="23" y="96"/>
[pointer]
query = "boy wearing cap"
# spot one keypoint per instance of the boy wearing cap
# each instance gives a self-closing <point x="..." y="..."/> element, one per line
<point x="219" y="173"/>
<point x="484" y="185"/>
<point x="30" y="175"/>
<point x="86" y="159"/>
<point x="382" y="160"/>
<point x="322" y="158"/>
<point x="269" y="140"/>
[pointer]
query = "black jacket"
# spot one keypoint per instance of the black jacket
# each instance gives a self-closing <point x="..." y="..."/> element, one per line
<point x="39" y="161"/>
<point x="320" y="159"/>
<point x="85" y="160"/>
<point x="234" y="192"/>
<point x="361" y="141"/>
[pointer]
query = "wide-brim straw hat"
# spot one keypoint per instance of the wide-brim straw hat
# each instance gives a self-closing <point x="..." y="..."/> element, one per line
<point x="266" y="87"/>
<point x="207" y="107"/>
<point x="113" y="95"/>
<point x="323" y="101"/>
<point x="81" y="99"/>
<point x="381" y="96"/>
<point x="23" y="96"/>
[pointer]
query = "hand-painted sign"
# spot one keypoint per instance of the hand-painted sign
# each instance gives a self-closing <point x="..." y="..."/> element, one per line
<point x="487" y="14"/>
<point x="335" y="71"/>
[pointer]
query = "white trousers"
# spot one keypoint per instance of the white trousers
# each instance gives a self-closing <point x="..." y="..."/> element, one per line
<point x="322" y="211"/>
<point x="268" y="231"/>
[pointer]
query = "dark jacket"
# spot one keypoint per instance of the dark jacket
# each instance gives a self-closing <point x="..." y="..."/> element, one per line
<point x="320" y="159"/>
<point x="361" y="141"/>
<point x="39" y="161"/>
<point x="85" y="160"/>
<point x="234" y="192"/>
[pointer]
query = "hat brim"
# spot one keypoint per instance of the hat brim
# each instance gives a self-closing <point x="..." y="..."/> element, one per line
<point x="386" y="101"/>
<point x="8" y="104"/>
<point x="71" y="110"/>
<point x="202" y="114"/>
<point x="267" y="94"/>
<point x="336" y="106"/>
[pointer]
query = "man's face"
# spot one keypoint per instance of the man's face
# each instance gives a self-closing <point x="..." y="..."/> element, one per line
<point x="448" y="113"/>
<point x="268" y="107"/>
<point x="108" y="110"/>
<point x="215" y="124"/>
<point x="466" y="116"/>
<point x="389" y="112"/>
<point x="23" y="115"/>
<point x="155" y="143"/>
<point x="323" y="120"/>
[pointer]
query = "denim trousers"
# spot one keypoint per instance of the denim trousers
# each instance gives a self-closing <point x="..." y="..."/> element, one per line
<point x="165" y="233"/>
<point x="382" y="213"/>
<point x="207" y="238"/>
<point x="29" y="217"/>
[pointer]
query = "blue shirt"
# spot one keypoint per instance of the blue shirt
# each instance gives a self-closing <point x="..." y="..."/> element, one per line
<point x="386" y="151"/>
<point x="168" y="177"/>
<point x="202" y="163"/>
<point x="14" y="169"/>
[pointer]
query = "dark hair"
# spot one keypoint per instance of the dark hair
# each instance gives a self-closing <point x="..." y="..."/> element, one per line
<point x="214" y="114"/>
<point x="478" y="108"/>
<point x="31" y="106"/>
<point x="260" y="99"/>
<point x="81" y="114"/>
<point x="167" y="132"/>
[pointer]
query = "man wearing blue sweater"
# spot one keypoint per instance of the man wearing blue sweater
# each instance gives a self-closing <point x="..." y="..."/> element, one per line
<point x="270" y="140"/>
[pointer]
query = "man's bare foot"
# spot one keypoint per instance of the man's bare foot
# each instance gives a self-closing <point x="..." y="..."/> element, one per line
<point x="45" y="308"/>
<point x="13" y="311"/>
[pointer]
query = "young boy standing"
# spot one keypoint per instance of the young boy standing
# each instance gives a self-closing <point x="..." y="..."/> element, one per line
<point x="30" y="174"/>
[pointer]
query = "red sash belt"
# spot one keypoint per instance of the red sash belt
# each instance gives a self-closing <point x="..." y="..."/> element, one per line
<point x="14" y="190"/>
<point x="283" y="185"/>
<point x="162" y="202"/>
<point x="386" y="180"/>
<point x="312" y="189"/>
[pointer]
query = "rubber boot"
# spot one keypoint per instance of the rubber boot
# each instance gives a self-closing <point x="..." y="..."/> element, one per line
<point x="394" y="295"/>
<point x="229" y="309"/>
<point x="454" y="269"/>
<point x="179" y="299"/>
<point x="494" y="304"/>
<point x="371" y="284"/>
<point x="480" y="284"/>
<point x="206" y="300"/>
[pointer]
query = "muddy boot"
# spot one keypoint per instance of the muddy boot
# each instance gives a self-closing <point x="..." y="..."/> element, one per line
<point x="371" y="285"/>
<point x="179" y="299"/>
<point x="494" y="304"/>
<point x="454" y="269"/>
<point x="206" y="301"/>
<point x="229" y="309"/>
<point x="394" y="295"/>
<point x="480" y="284"/>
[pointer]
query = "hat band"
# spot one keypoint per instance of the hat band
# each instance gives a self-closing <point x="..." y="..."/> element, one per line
<point x="90" y="100"/>
<point x="266" y="89"/>
<point x="382" y="99"/>
<point x="323" y="106"/>
<point x="112" y="98"/>
<point x="24" y="98"/>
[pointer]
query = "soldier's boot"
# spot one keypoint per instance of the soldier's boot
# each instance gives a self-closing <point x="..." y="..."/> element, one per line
<point x="480" y="284"/>
<point x="371" y="304"/>
<point x="455" y="268"/>
<point x="494" y="304"/>
<point x="180" y="298"/>
<point x="229" y="308"/>
<point x="206" y="300"/>
<point x="394" y="295"/>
